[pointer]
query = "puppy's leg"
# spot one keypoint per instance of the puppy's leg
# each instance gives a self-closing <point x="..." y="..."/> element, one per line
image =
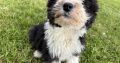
<point x="74" y="59"/>
<point x="37" y="54"/>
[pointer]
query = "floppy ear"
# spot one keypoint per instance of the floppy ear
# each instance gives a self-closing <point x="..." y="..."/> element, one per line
<point x="50" y="15"/>
<point x="91" y="6"/>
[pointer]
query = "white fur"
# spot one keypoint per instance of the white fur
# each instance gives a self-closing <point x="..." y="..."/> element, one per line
<point x="63" y="42"/>
<point x="37" y="54"/>
<point x="74" y="59"/>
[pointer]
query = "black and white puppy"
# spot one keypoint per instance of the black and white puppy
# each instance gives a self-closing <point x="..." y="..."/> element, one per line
<point x="62" y="36"/>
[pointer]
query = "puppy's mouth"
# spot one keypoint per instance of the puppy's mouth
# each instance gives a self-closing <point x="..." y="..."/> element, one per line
<point x="65" y="14"/>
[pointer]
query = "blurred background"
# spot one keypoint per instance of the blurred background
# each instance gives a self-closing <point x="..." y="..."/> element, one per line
<point x="17" y="16"/>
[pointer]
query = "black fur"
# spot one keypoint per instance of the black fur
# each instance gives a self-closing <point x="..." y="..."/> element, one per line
<point x="91" y="8"/>
<point x="82" y="40"/>
<point x="36" y="34"/>
<point x="36" y="37"/>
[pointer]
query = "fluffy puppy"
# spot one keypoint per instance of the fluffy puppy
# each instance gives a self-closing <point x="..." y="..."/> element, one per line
<point x="62" y="36"/>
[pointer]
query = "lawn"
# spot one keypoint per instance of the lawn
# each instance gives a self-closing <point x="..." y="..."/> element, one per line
<point x="17" y="16"/>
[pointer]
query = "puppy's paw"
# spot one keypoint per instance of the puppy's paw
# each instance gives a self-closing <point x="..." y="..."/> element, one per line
<point x="37" y="54"/>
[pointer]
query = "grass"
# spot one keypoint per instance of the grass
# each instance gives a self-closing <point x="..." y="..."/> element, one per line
<point x="17" y="16"/>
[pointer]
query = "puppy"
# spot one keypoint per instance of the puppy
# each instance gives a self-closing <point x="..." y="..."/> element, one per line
<point x="62" y="36"/>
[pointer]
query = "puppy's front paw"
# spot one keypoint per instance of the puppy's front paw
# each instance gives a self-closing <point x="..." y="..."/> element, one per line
<point x="37" y="54"/>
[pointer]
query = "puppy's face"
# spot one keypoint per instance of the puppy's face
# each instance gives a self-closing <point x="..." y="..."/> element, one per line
<point x="68" y="12"/>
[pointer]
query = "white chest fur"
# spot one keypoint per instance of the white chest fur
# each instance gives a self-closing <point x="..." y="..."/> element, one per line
<point x="63" y="42"/>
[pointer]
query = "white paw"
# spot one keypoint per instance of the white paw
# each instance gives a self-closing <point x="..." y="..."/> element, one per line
<point x="37" y="54"/>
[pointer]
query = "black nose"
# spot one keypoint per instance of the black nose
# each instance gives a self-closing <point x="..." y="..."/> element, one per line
<point x="67" y="7"/>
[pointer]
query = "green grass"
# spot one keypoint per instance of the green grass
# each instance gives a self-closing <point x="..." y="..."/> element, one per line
<point x="17" y="16"/>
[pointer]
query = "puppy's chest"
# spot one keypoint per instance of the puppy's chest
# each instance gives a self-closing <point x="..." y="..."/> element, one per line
<point x="62" y="42"/>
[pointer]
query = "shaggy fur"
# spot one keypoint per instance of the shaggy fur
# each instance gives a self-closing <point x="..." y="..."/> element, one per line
<point x="62" y="36"/>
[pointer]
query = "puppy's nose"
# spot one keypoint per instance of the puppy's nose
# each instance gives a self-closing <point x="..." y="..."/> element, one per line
<point x="67" y="7"/>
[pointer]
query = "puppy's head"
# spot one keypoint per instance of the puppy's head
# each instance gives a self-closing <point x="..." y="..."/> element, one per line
<point x="67" y="12"/>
